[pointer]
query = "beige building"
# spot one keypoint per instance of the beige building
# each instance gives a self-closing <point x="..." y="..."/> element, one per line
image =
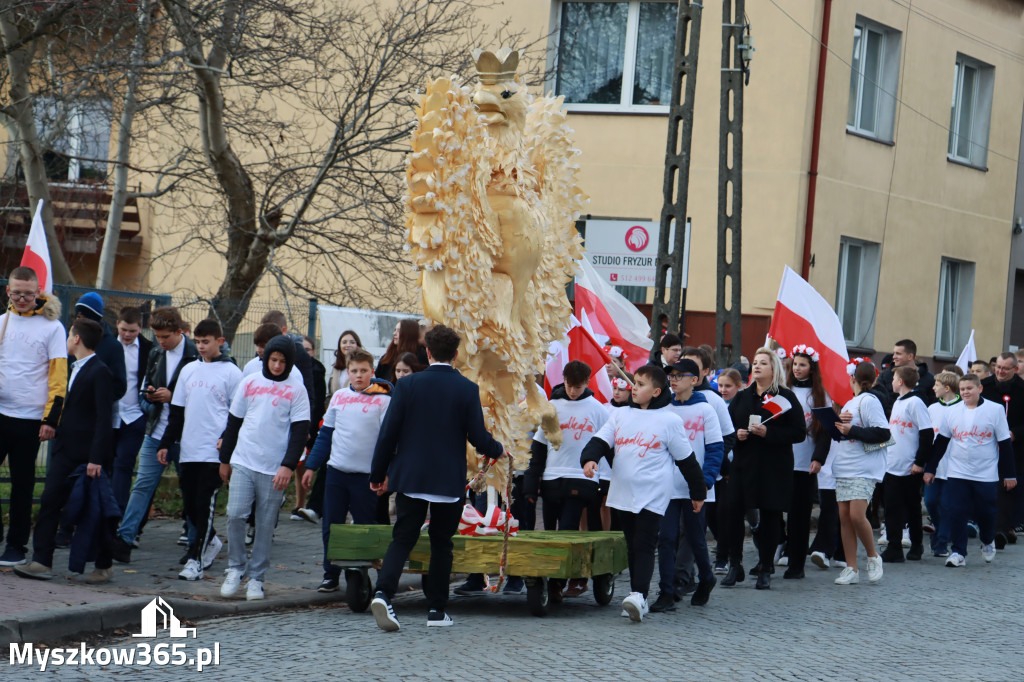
<point x="911" y="234"/>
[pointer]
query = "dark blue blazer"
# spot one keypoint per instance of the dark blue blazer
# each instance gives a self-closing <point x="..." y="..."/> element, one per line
<point x="86" y="429"/>
<point x="421" y="447"/>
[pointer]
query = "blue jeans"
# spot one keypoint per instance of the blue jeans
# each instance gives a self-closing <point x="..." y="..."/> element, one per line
<point x="249" y="489"/>
<point x="680" y="515"/>
<point x="343" y="493"/>
<point x="127" y="441"/>
<point x="965" y="500"/>
<point x="935" y="505"/>
<point x="146" y="482"/>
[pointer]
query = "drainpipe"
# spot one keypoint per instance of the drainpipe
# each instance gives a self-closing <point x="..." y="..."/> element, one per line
<point x="812" y="173"/>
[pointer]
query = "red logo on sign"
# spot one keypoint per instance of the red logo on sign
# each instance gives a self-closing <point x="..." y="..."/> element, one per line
<point x="637" y="238"/>
<point x="614" y="277"/>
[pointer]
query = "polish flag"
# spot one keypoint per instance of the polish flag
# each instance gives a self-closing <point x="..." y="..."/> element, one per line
<point x="612" y="316"/>
<point x="37" y="255"/>
<point x="968" y="355"/>
<point x="776" y="405"/>
<point x="802" y="316"/>
<point x="579" y="344"/>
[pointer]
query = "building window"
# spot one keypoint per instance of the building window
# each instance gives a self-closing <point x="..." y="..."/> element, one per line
<point x="956" y="296"/>
<point x="857" y="290"/>
<point x="970" y="111"/>
<point x="874" y="79"/>
<point x="75" y="139"/>
<point x="615" y="56"/>
<point x="633" y="294"/>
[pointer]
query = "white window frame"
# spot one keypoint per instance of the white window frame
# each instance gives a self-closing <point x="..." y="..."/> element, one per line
<point x="886" y="82"/>
<point x="70" y="124"/>
<point x="628" y="62"/>
<point x="953" y="325"/>
<point x="866" y="296"/>
<point x="981" y="117"/>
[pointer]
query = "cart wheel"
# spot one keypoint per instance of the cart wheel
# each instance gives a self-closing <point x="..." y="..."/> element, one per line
<point x="537" y="596"/>
<point x="604" y="588"/>
<point x="357" y="589"/>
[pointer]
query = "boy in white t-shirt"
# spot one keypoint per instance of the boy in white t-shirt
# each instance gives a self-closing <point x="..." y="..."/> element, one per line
<point x="345" y="442"/>
<point x="975" y="438"/>
<point x="911" y="428"/>
<point x="268" y="425"/>
<point x="947" y="385"/>
<point x="199" y="413"/>
<point x="556" y="473"/>
<point x="644" y="444"/>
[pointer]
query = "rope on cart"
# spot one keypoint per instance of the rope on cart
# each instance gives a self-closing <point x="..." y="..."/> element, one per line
<point x="508" y="516"/>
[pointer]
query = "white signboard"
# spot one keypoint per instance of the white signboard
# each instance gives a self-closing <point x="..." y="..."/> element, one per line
<point x="375" y="329"/>
<point x="623" y="252"/>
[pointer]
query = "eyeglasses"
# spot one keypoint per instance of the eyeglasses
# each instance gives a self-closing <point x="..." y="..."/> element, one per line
<point x="680" y="376"/>
<point x="21" y="297"/>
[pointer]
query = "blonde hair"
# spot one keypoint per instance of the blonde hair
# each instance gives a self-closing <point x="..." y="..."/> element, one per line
<point x="778" y="372"/>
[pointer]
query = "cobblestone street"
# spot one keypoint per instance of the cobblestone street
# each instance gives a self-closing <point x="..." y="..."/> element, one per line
<point x="922" y="621"/>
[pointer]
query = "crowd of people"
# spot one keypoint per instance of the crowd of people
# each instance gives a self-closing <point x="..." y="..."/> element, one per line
<point x="681" y="449"/>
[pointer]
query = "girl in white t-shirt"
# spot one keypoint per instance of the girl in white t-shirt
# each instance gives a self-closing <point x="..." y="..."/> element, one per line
<point x="857" y="470"/>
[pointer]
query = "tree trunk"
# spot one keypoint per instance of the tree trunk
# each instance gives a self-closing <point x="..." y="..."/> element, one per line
<point x="29" y="149"/>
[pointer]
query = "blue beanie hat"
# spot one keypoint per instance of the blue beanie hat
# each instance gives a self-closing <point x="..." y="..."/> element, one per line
<point x="90" y="305"/>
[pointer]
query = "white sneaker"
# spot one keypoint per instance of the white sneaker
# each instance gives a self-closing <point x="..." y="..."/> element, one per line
<point x="192" y="571"/>
<point x="883" y="539"/>
<point x="232" y="580"/>
<point x="254" y="590"/>
<point x="778" y="555"/>
<point x="783" y="561"/>
<point x="848" y="577"/>
<point x="956" y="560"/>
<point x="988" y="552"/>
<point x="625" y="613"/>
<point x="836" y="563"/>
<point x="906" y="538"/>
<point x="636" y="606"/>
<point x="213" y="548"/>
<point x="820" y="560"/>
<point x="874" y="569"/>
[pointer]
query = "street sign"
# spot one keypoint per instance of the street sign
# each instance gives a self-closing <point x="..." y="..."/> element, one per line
<point x="624" y="252"/>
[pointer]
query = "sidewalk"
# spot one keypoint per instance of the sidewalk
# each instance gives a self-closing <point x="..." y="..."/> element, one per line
<point x="41" y="611"/>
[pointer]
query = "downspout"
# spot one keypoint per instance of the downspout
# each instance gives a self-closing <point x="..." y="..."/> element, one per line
<point x="812" y="172"/>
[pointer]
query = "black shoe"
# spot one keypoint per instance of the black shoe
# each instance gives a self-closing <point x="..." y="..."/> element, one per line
<point x="893" y="555"/>
<point x="438" y="619"/>
<point x="915" y="553"/>
<point x="703" y="593"/>
<point x="735" y="575"/>
<point x="665" y="602"/>
<point x="329" y="585"/>
<point x="793" y="573"/>
<point x="1011" y="537"/>
<point x="473" y="587"/>
<point x="1000" y="540"/>
<point x="764" y="581"/>
<point x="756" y="570"/>
<point x="121" y="551"/>
<point x="683" y="589"/>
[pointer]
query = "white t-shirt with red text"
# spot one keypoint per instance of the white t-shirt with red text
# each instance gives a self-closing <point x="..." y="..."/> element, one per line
<point x="974" y="435"/>
<point x="937" y="411"/>
<point x="701" y="423"/>
<point x="909" y="416"/>
<point x="579" y="420"/>
<point x="647" y="444"/>
<point x="356" y="418"/>
<point x="269" y="408"/>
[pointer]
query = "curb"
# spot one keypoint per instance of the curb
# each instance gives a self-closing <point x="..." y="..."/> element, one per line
<point x="92" y="619"/>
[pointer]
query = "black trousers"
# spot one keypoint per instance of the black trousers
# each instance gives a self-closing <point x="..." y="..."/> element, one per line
<point x="799" y="521"/>
<point x="563" y="513"/>
<point x="200" y="482"/>
<point x="1011" y="502"/>
<point x="769" y="530"/>
<point x="19" y="439"/>
<point x="522" y="509"/>
<point x="444" y="522"/>
<point x="641" y="531"/>
<point x="903" y="507"/>
<point x="59" y="484"/>
<point x="718" y="520"/>
<point x="826" y="540"/>
<point x="594" y="508"/>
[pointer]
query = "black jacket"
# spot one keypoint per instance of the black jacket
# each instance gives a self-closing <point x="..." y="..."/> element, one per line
<point x="318" y="401"/>
<point x="156" y="376"/>
<point x="111" y="353"/>
<point x="1011" y="396"/>
<point x="421" y="447"/>
<point x="883" y="388"/>
<point x="85" y="434"/>
<point x="763" y="467"/>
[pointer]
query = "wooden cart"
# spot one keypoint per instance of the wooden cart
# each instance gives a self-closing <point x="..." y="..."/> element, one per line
<point x="537" y="556"/>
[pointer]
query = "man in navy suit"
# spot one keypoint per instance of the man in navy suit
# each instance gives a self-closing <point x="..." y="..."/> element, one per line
<point x="421" y="455"/>
<point x="84" y="437"/>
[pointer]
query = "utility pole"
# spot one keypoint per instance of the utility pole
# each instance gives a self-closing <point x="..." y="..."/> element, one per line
<point x="736" y="52"/>
<point x="672" y="235"/>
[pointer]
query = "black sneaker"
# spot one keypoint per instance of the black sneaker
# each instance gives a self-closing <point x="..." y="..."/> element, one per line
<point x="665" y="602"/>
<point x="703" y="593"/>
<point x="384" y="613"/>
<point x="121" y="551"/>
<point x="438" y="619"/>
<point x="329" y="585"/>
<point x="893" y="554"/>
<point x="915" y="553"/>
<point x="473" y="587"/>
<point x="13" y="556"/>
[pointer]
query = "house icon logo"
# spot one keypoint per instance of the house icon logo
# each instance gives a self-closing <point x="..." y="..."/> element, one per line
<point x="158" y="615"/>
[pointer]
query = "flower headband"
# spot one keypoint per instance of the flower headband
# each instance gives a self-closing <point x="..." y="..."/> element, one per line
<point x="804" y="349"/>
<point x="851" y="366"/>
<point x="781" y="352"/>
<point x="619" y="382"/>
<point x="615" y="352"/>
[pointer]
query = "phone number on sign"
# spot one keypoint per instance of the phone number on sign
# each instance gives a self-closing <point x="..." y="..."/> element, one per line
<point x="141" y="654"/>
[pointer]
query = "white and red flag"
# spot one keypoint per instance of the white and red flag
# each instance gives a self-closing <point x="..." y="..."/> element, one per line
<point x="37" y="254"/>
<point x="776" y="405"/>
<point x="803" y="316"/>
<point x="579" y="344"/>
<point x="612" y="316"/>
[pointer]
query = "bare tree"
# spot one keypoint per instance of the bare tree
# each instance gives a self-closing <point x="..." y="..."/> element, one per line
<point x="303" y="111"/>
